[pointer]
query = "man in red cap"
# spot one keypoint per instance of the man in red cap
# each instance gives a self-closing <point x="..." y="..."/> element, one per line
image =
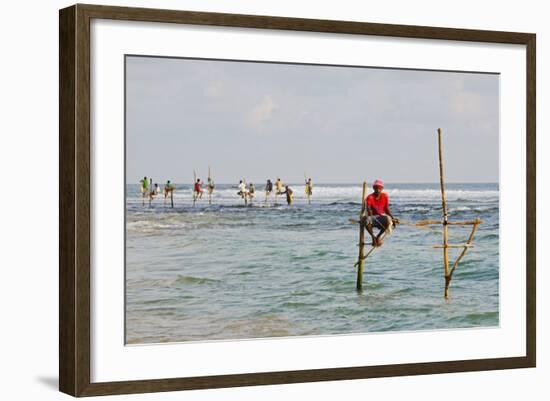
<point x="378" y="213"/>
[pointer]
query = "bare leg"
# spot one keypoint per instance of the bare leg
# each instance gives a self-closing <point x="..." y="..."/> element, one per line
<point x="379" y="240"/>
<point x="387" y="223"/>
<point x="374" y="239"/>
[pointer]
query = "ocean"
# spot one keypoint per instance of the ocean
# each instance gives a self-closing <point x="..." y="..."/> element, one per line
<point x="230" y="271"/>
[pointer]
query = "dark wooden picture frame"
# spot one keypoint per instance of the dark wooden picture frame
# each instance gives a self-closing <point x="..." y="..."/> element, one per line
<point x="74" y="199"/>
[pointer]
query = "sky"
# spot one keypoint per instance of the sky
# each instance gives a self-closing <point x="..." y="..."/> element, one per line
<point x="337" y="124"/>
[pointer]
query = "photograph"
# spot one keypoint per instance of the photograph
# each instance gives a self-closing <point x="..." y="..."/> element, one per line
<point x="269" y="199"/>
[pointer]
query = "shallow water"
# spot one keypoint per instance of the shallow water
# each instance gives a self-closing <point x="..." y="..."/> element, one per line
<point x="226" y="271"/>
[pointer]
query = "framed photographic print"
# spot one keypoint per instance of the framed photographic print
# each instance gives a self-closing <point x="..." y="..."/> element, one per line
<point x="250" y="200"/>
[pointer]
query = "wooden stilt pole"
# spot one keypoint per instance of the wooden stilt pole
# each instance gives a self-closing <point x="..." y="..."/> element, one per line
<point x="307" y="189"/>
<point x="194" y="193"/>
<point x="172" y="197"/>
<point x="362" y="223"/>
<point x="209" y="187"/>
<point x="445" y="218"/>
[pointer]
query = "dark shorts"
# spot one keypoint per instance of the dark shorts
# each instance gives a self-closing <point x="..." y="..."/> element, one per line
<point x="381" y="222"/>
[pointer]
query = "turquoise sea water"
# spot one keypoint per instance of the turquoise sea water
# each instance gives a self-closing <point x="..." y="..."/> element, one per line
<point x="229" y="271"/>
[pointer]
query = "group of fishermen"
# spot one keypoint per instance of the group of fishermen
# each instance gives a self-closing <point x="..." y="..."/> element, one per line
<point x="247" y="192"/>
<point x="197" y="188"/>
<point x="279" y="188"/>
<point x="150" y="190"/>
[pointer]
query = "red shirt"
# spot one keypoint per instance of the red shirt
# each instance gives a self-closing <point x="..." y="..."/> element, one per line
<point x="197" y="187"/>
<point x="379" y="205"/>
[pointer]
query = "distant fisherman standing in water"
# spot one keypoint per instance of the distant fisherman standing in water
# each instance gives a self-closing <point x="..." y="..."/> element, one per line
<point x="251" y="190"/>
<point x="242" y="189"/>
<point x="152" y="193"/>
<point x="279" y="186"/>
<point x="288" y="193"/>
<point x="268" y="187"/>
<point x="378" y="213"/>
<point x="210" y="186"/>
<point x="197" y="189"/>
<point x="168" y="187"/>
<point x="144" y="188"/>
<point x="309" y="187"/>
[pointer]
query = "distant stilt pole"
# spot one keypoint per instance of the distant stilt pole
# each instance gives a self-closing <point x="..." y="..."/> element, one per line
<point x="210" y="189"/>
<point x="194" y="181"/>
<point x="244" y="193"/>
<point x="308" y="194"/>
<point x="361" y="240"/>
<point x="445" y="218"/>
<point x="172" y="198"/>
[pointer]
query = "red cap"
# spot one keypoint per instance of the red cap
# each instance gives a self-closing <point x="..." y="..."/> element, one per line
<point x="378" y="183"/>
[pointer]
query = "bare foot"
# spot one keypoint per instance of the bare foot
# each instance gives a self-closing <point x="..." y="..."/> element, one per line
<point x="379" y="241"/>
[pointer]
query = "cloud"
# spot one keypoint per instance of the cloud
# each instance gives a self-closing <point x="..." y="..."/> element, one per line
<point x="261" y="113"/>
<point x="214" y="89"/>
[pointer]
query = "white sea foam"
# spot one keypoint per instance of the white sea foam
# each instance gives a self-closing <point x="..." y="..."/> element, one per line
<point x="334" y="193"/>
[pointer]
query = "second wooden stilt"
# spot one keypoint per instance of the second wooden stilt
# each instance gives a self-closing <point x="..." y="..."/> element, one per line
<point x="445" y="218"/>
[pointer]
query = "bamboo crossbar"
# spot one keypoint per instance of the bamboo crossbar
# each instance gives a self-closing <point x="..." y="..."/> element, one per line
<point x="454" y="246"/>
<point x="422" y="223"/>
